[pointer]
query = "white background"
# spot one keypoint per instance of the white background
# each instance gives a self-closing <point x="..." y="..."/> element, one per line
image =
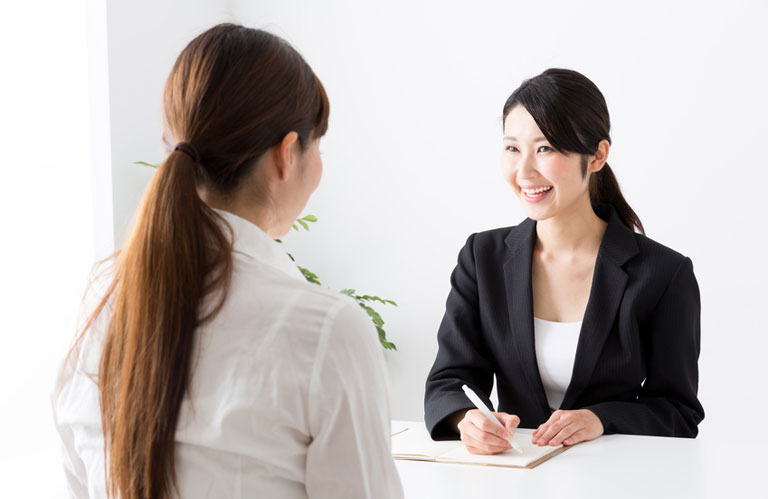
<point x="47" y="228"/>
<point x="411" y="164"/>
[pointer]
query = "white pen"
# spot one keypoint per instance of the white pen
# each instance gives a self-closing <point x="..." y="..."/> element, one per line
<point x="488" y="414"/>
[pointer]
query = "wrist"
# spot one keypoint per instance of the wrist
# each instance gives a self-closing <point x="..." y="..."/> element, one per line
<point x="597" y="422"/>
<point x="455" y="418"/>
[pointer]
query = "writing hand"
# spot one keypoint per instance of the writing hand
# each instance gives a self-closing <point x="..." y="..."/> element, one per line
<point x="481" y="436"/>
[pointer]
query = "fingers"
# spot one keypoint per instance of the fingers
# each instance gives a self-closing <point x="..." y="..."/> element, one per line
<point x="485" y="425"/>
<point x="544" y="426"/>
<point x="577" y="437"/>
<point x="510" y="421"/>
<point x="475" y="447"/>
<point x="567" y="432"/>
<point x="569" y="428"/>
<point x="556" y="423"/>
<point x="481" y="436"/>
<point x="478" y="442"/>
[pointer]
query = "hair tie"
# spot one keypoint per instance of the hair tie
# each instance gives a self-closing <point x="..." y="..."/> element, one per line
<point x="189" y="150"/>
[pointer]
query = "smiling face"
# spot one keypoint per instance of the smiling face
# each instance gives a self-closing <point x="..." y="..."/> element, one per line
<point x="547" y="182"/>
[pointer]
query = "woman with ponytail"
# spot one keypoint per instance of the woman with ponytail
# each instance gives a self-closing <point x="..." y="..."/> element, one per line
<point x="587" y="326"/>
<point x="208" y="366"/>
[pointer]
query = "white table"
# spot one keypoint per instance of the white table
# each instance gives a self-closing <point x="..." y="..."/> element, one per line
<point x="613" y="466"/>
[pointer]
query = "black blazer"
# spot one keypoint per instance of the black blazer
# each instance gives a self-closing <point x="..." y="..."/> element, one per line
<point x="636" y="359"/>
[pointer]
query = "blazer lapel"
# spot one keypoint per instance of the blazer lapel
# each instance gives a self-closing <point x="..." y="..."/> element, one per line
<point x="608" y="283"/>
<point x="517" y="277"/>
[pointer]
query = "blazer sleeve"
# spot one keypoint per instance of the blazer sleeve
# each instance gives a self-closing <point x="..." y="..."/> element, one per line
<point x="667" y="404"/>
<point x="462" y="355"/>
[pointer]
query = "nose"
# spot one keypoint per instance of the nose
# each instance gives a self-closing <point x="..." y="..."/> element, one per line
<point x="527" y="166"/>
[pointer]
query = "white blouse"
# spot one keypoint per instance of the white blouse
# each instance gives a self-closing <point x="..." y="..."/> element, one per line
<point x="288" y="396"/>
<point x="555" y="353"/>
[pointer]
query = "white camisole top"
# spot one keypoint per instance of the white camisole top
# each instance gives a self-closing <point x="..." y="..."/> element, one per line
<point x="555" y="353"/>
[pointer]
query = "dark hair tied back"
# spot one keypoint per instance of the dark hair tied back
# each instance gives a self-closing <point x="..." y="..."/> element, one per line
<point x="572" y="114"/>
<point x="189" y="150"/>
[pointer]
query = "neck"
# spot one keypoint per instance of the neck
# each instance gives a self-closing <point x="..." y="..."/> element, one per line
<point x="574" y="230"/>
<point x="261" y="216"/>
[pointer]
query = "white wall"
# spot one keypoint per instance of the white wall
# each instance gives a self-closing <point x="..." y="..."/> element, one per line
<point x="47" y="228"/>
<point x="144" y="39"/>
<point x="411" y="157"/>
<point x="79" y="102"/>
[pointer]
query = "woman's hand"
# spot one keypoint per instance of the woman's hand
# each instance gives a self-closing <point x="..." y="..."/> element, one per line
<point x="569" y="428"/>
<point x="481" y="436"/>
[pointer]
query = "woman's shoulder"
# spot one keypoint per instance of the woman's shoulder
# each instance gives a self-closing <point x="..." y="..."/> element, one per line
<point x="652" y="253"/>
<point x="655" y="267"/>
<point x="263" y="286"/>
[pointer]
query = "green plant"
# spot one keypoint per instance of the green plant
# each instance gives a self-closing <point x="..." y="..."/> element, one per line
<point x="362" y="300"/>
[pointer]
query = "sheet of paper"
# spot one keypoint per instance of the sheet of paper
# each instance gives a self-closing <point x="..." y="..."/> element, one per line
<point x="530" y="453"/>
<point x="416" y="442"/>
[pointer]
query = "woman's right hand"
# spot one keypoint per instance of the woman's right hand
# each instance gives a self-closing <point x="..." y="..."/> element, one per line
<point x="481" y="436"/>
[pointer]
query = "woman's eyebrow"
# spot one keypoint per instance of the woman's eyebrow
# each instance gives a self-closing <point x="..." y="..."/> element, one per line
<point x="537" y="139"/>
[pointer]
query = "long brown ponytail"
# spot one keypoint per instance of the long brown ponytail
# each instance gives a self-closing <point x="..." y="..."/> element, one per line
<point x="233" y="93"/>
<point x="572" y="114"/>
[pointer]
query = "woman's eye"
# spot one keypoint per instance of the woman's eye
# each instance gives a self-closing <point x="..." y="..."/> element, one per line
<point x="511" y="148"/>
<point x="545" y="149"/>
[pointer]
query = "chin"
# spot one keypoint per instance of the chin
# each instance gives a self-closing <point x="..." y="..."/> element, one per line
<point x="535" y="212"/>
<point x="539" y="217"/>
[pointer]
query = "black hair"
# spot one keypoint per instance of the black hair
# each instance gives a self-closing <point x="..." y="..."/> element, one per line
<point x="572" y="114"/>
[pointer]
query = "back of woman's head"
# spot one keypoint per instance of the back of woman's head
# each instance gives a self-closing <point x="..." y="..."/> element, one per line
<point x="233" y="93"/>
<point x="572" y="114"/>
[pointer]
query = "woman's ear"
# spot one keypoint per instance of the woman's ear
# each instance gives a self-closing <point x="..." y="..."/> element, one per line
<point x="600" y="157"/>
<point x="285" y="154"/>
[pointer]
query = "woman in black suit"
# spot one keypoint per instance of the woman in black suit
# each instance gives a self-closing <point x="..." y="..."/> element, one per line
<point x="589" y="326"/>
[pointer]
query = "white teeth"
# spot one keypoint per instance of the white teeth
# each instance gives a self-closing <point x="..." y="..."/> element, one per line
<point x="538" y="190"/>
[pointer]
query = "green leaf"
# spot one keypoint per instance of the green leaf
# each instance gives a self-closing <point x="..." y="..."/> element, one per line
<point x="378" y="322"/>
<point x="382" y="333"/>
<point x="291" y="257"/>
<point x="383" y="339"/>
<point x="375" y="317"/>
<point x="308" y="272"/>
<point x="310" y="218"/>
<point x="144" y="163"/>
<point x="303" y="224"/>
<point x="295" y="228"/>
<point x="309" y="275"/>
<point x="372" y="298"/>
<point x="375" y="298"/>
<point x="278" y="241"/>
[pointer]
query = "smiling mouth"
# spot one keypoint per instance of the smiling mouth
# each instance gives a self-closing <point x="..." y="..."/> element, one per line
<point x="537" y="192"/>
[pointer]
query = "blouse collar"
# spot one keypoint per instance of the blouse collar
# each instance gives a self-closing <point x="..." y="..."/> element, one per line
<point x="252" y="241"/>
